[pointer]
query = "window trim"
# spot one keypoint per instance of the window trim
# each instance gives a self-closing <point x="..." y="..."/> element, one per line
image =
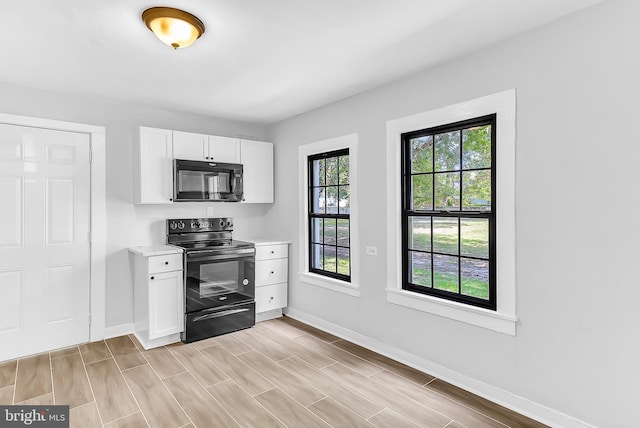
<point x="458" y="214"/>
<point x="304" y="274"/>
<point x="504" y="318"/>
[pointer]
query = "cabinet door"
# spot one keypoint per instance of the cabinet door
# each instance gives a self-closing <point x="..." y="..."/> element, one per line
<point x="257" y="159"/>
<point x="154" y="174"/>
<point x="166" y="314"/>
<point x="190" y="146"/>
<point x="224" y="149"/>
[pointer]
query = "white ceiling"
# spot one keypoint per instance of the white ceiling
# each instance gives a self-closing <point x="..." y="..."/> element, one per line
<point x="259" y="60"/>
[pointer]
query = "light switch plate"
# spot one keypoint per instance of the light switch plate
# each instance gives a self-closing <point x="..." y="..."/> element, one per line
<point x="372" y="251"/>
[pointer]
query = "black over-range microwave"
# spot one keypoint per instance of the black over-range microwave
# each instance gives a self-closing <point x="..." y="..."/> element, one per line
<point x="206" y="181"/>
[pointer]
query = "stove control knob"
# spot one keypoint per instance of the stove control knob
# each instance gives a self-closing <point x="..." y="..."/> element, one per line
<point x="195" y="224"/>
<point x="173" y="225"/>
<point x="229" y="223"/>
<point x="180" y="225"/>
<point x="221" y="223"/>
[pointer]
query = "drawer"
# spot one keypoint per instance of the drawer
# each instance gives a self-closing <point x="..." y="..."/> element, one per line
<point x="267" y="252"/>
<point x="271" y="271"/>
<point x="166" y="263"/>
<point x="271" y="297"/>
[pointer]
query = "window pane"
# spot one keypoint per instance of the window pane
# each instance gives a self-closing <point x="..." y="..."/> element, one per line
<point x="476" y="147"/>
<point x="475" y="278"/>
<point x="447" y="151"/>
<point x="318" y="172"/>
<point x="332" y="200"/>
<point x="317" y="230"/>
<point x="343" y="200"/>
<point x="343" y="232"/>
<point x="445" y="273"/>
<point x="329" y="258"/>
<point x="474" y="237"/>
<point x="330" y="231"/>
<point x="344" y="169"/>
<point x="422" y="154"/>
<point x="420" y="233"/>
<point x="422" y="192"/>
<point x="317" y="257"/>
<point x="420" y="268"/>
<point x="343" y="261"/>
<point x="476" y="190"/>
<point x="332" y="170"/>
<point x="445" y="235"/>
<point x="447" y="191"/>
<point x="318" y="200"/>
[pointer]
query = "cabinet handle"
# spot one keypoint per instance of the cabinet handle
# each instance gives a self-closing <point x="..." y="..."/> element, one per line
<point x="171" y="199"/>
<point x="270" y="298"/>
<point x="152" y="277"/>
<point x="272" y="272"/>
<point x="166" y="263"/>
<point x="272" y="252"/>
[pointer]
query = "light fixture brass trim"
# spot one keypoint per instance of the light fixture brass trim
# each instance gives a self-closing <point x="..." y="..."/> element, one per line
<point x="168" y="15"/>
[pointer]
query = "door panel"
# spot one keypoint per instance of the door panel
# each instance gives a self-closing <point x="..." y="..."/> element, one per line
<point x="11" y="213"/>
<point x="60" y="211"/>
<point x="10" y="300"/>
<point x="44" y="240"/>
<point x="60" y="280"/>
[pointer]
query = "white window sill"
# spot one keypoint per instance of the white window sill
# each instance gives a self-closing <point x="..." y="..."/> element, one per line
<point x="330" y="283"/>
<point x="492" y="320"/>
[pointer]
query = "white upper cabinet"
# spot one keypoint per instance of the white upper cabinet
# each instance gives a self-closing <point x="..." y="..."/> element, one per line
<point x="154" y="166"/>
<point x="224" y="149"/>
<point x="191" y="146"/>
<point x="257" y="162"/>
<point x="202" y="147"/>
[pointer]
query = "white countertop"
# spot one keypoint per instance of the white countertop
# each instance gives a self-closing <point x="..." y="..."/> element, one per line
<point x="155" y="250"/>
<point x="259" y="242"/>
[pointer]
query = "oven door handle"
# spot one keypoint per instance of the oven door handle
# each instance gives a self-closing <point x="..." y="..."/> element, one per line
<point x="219" y="314"/>
<point x="208" y="255"/>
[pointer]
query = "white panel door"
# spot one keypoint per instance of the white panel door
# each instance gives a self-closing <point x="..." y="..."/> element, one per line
<point x="257" y="160"/>
<point x="224" y="149"/>
<point x="44" y="240"/>
<point x="190" y="146"/>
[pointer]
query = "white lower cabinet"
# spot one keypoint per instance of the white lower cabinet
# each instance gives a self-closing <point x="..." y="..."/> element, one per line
<point x="158" y="295"/>
<point x="272" y="265"/>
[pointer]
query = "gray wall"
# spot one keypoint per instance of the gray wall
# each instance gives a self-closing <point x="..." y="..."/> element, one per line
<point x="577" y="346"/>
<point x="128" y="224"/>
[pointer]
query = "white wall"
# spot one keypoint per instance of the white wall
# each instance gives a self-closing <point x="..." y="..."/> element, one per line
<point x="577" y="346"/>
<point x="129" y="224"/>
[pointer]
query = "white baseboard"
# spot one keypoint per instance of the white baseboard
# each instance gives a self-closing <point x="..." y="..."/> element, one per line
<point x="118" y="330"/>
<point x="511" y="401"/>
<point x="269" y="315"/>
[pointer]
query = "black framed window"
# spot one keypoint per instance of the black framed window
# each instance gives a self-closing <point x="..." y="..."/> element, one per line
<point x="328" y="210"/>
<point x="448" y="211"/>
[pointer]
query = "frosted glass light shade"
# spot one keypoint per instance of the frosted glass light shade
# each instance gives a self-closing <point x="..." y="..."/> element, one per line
<point x="174" y="27"/>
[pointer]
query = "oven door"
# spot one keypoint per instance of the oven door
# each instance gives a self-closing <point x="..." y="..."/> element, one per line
<point x="219" y="278"/>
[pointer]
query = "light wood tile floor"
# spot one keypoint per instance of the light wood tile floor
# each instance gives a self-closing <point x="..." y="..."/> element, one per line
<point x="280" y="373"/>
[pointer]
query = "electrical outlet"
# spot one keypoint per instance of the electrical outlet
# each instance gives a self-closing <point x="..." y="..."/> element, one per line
<point x="372" y="251"/>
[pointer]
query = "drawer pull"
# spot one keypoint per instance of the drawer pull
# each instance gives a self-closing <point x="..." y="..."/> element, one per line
<point x="166" y="263"/>
<point x="272" y="272"/>
<point x="152" y="277"/>
<point x="270" y="298"/>
<point x="273" y="252"/>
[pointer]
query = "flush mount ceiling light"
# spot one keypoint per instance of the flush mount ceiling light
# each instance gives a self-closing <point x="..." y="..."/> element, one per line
<point x="174" y="27"/>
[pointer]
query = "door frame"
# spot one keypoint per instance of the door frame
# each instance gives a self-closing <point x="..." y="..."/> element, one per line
<point x="98" y="224"/>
